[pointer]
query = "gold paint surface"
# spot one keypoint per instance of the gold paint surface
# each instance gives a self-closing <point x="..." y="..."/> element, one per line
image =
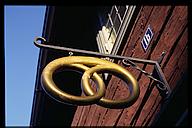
<point x="91" y="66"/>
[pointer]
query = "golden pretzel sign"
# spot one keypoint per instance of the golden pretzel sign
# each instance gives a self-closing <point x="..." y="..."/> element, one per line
<point x="91" y="66"/>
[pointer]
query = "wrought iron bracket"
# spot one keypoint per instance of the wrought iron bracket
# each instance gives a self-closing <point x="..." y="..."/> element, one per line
<point x="157" y="75"/>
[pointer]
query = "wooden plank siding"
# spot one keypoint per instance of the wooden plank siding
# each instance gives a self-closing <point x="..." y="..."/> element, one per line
<point x="169" y="25"/>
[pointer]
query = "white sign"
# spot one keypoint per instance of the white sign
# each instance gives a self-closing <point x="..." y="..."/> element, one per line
<point x="147" y="38"/>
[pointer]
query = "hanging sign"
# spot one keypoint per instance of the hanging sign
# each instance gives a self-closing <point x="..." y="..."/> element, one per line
<point x="147" y="38"/>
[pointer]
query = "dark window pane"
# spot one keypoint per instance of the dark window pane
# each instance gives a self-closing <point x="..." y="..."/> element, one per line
<point x="122" y="11"/>
<point x="103" y="12"/>
<point x="117" y="24"/>
<point x="109" y="25"/>
<point x="113" y="15"/>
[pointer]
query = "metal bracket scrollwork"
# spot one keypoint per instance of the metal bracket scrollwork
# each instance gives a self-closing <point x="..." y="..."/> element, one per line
<point x="93" y="65"/>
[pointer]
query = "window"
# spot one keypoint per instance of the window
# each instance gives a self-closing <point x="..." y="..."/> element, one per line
<point x="110" y="36"/>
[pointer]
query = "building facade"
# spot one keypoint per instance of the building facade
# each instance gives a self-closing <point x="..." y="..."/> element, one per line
<point x="157" y="33"/>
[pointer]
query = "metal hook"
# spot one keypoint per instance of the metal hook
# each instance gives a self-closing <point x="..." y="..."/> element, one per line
<point x="70" y="53"/>
<point x="39" y="39"/>
<point x="163" y="88"/>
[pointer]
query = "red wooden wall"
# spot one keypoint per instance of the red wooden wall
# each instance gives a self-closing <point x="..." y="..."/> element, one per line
<point x="169" y="25"/>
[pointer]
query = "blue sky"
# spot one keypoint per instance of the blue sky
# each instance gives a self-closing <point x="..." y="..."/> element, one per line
<point x="22" y="25"/>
